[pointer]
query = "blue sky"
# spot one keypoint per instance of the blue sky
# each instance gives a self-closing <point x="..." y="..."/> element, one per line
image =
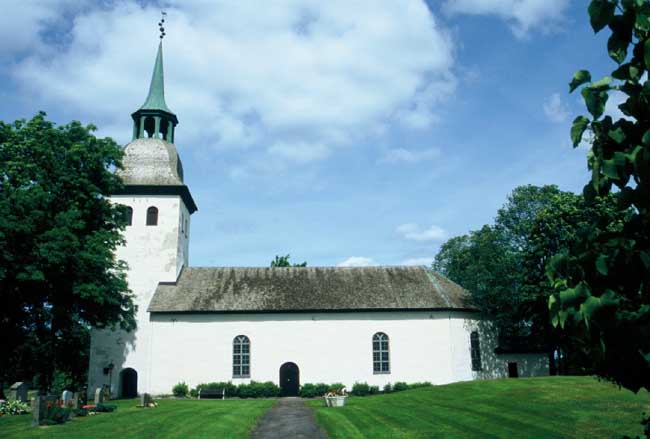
<point x="343" y="133"/>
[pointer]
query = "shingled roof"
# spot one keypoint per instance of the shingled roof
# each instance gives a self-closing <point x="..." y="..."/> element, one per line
<point x="295" y="289"/>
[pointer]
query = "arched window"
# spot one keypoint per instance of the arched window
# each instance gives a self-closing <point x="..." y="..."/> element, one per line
<point x="380" y="359"/>
<point x="476" y="351"/>
<point x="241" y="357"/>
<point x="152" y="216"/>
<point x="128" y="216"/>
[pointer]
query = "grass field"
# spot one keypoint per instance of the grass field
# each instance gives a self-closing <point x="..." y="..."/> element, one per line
<point x="551" y="407"/>
<point x="171" y="419"/>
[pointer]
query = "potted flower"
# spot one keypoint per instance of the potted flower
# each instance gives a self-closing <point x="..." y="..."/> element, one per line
<point x="335" y="397"/>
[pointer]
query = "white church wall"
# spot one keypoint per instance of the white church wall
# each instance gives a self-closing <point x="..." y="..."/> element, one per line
<point x="327" y="347"/>
<point x="153" y="255"/>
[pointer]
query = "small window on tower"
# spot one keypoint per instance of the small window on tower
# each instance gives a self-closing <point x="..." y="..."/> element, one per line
<point x="187" y="232"/>
<point x="152" y="216"/>
<point x="128" y="216"/>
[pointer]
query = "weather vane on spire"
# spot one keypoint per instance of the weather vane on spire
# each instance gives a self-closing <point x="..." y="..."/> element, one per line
<point x="161" y="24"/>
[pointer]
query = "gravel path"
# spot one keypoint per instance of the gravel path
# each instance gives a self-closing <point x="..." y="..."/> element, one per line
<point x="289" y="418"/>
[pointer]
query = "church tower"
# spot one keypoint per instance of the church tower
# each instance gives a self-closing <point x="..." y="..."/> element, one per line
<point x="159" y="208"/>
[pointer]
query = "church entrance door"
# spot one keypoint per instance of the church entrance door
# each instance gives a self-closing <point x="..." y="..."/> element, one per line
<point x="289" y="379"/>
<point x="129" y="383"/>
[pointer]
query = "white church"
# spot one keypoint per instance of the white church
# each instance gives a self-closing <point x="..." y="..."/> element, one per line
<point x="293" y="325"/>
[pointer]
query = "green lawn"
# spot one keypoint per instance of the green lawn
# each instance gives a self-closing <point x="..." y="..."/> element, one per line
<point x="171" y="419"/>
<point x="550" y="407"/>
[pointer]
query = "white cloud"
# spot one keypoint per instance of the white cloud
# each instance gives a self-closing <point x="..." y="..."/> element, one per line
<point x="426" y="261"/>
<point x="301" y="152"/>
<point x="414" y="232"/>
<point x="21" y="21"/>
<point x="297" y="76"/>
<point x="556" y="110"/>
<point x="357" y="261"/>
<point x="522" y="15"/>
<point x="402" y="155"/>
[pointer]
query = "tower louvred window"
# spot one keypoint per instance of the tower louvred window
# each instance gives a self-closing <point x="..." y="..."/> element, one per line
<point x="152" y="216"/>
<point x="128" y="216"/>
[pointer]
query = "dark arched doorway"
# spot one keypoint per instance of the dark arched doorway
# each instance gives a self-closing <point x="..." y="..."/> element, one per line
<point x="289" y="379"/>
<point x="128" y="383"/>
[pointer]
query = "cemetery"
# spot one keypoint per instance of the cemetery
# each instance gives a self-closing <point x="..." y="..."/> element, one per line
<point x="499" y="408"/>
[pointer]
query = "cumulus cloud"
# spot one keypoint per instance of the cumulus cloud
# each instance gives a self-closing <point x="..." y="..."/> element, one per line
<point x="522" y="15"/>
<point x="415" y="232"/>
<point x="402" y="155"/>
<point x="357" y="261"/>
<point x="299" y="151"/>
<point x="426" y="261"/>
<point x="556" y="110"/>
<point x="294" y="81"/>
<point x="22" y="21"/>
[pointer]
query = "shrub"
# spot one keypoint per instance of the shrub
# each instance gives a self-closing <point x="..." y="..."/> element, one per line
<point x="399" y="386"/>
<point x="231" y="389"/>
<point x="180" y="390"/>
<point x="373" y="390"/>
<point x="418" y="385"/>
<point x="105" y="408"/>
<point x="388" y="388"/>
<point x="56" y="415"/>
<point x="360" y="389"/>
<point x="80" y="412"/>
<point x="14" y="408"/>
<point x="258" y="390"/>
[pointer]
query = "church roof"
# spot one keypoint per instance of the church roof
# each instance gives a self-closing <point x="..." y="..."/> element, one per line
<point x="294" y="289"/>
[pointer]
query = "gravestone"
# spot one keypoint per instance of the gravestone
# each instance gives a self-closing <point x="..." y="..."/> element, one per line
<point x="66" y="397"/>
<point x="18" y="391"/>
<point x="39" y="410"/>
<point x="99" y="395"/>
<point x="145" y="400"/>
<point x="74" y="401"/>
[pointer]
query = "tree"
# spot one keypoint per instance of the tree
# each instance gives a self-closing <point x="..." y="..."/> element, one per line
<point x="602" y="282"/>
<point x="483" y="264"/>
<point x="58" y="233"/>
<point x="283" y="261"/>
<point x="489" y="262"/>
<point x="503" y="266"/>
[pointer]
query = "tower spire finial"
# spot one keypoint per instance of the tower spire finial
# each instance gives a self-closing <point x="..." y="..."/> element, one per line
<point x="161" y="24"/>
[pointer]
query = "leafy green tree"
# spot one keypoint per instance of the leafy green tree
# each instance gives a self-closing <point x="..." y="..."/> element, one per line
<point x="483" y="263"/>
<point x="603" y="281"/>
<point x="503" y="266"/>
<point x="58" y="233"/>
<point x="490" y="262"/>
<point x="283" y="261"/>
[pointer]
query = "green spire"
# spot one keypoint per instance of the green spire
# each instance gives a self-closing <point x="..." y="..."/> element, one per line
<point x="156" y="98"/>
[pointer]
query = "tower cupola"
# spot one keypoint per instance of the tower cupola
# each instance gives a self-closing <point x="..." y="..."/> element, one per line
<point x="154" y="119"/>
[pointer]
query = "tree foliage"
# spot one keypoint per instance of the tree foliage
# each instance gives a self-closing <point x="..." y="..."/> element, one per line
<point x="503" y="265"/>
<point x="602" y="281"/>
<point x="283" y="261"/>
<point x="58" y="233"/>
